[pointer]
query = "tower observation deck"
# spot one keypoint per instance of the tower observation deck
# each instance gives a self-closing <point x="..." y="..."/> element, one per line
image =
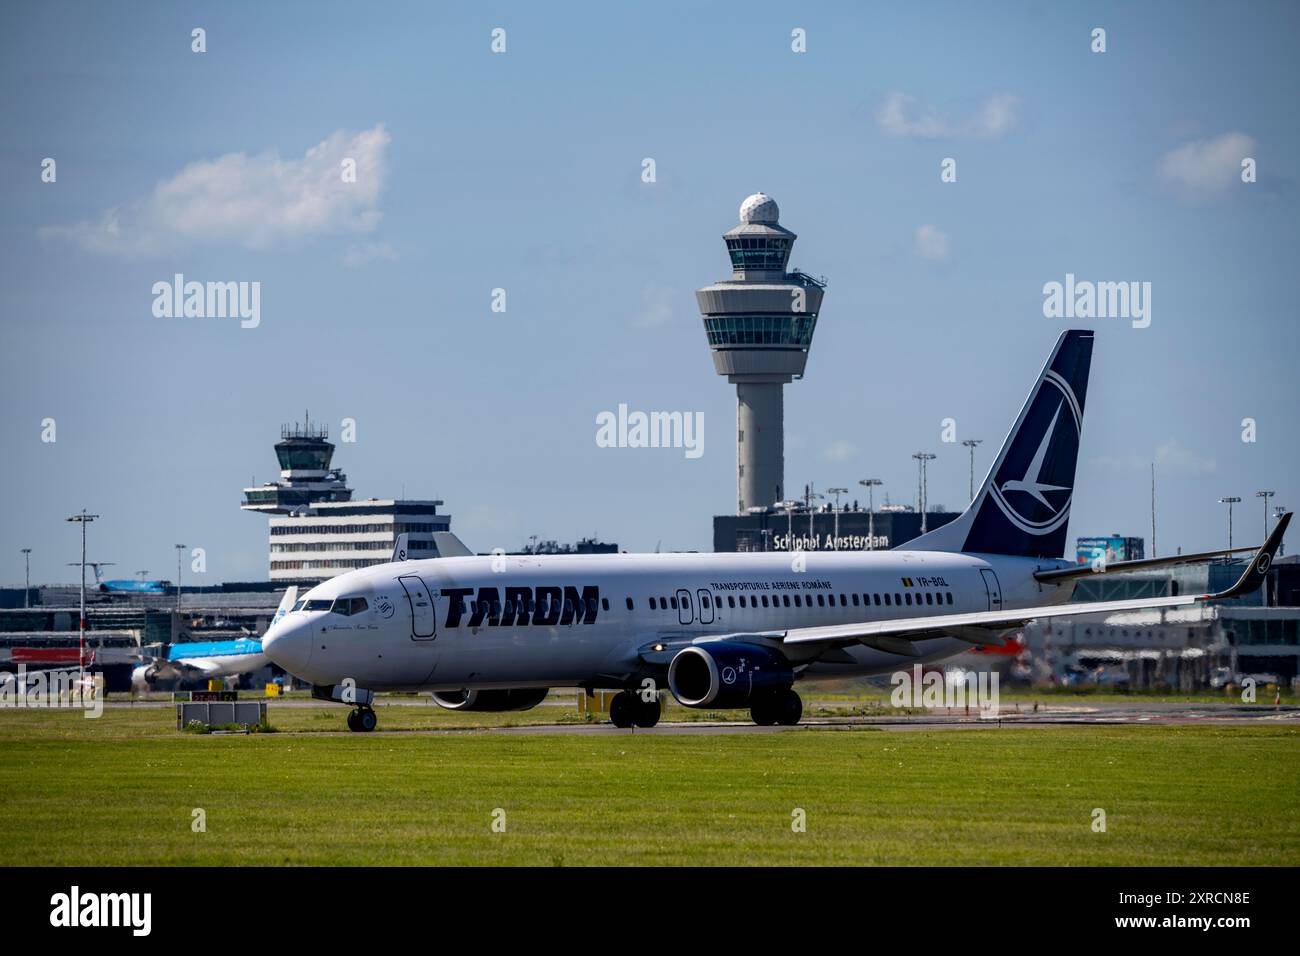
<point x="760" y="325"/>
<point x="306" y="478"/>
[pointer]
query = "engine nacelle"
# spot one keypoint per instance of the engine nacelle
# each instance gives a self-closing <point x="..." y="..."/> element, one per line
<point x="515" y="698"/>
<point x="726" y="674"/>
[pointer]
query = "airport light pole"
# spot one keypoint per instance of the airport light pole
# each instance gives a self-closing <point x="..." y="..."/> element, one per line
<point x="1229" y="502"/>
<point x="922" y="457"/>
<point x="971" y="443"/>
<point x="870" y="484"/>
<point x="1265" y="495"/>
<point x="809" y="497"/>
<point x="837" y="492"/>
<point x="27" y="577"/>
<point x="788" y="507"/>
<point x="180" y="550"/>
<point x="82" y="519"/>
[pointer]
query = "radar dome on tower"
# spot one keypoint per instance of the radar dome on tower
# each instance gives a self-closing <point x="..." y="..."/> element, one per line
<point x="760" y="208"/>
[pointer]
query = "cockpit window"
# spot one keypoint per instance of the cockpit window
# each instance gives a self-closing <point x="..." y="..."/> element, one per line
<point x="317" y="604"/>
<point x="350" y="606"/>
<point x="298" y="606"/>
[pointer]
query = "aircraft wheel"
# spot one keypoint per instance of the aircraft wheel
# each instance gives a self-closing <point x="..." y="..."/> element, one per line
<point x="352" y="719"/>
<point x="763" y="711"/>
<point x="788" y="708"/>
<point x="647" y="712"/>
<point x="623" y="709"/>
<point x="367" y="720"/>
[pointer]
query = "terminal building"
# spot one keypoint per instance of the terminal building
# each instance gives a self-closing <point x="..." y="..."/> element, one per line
<point x="827" y="529"/>
<point x="317" y="529"/>
<point x="1255" y="635"/>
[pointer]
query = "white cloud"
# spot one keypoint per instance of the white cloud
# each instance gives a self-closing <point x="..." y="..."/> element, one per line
<point x="1171" y="457"/>
<point x="1175" y="457"/>
<point x="996" y="116"/>
<point x="253" y="201"/>
<point x="1207" y="166"/>
<point x="841" y="451"/>
<point x="360" y="253"/>
<point x="931" y="243"/>
<point x="656" y="307"/>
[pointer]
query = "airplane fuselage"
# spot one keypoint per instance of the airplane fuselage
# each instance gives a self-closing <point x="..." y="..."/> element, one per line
<point x="547" y="621"/>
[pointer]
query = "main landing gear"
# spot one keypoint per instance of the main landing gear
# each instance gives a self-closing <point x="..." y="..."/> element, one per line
<point x="630" y="710"/>
<point x="781" y="707"/>
<point x="362" y="720"/>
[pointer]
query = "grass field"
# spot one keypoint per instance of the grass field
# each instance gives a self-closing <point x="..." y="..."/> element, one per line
<point x="123" y="789"/>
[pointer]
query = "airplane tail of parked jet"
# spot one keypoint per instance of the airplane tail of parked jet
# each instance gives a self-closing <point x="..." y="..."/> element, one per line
<point x="1023" y="507"/>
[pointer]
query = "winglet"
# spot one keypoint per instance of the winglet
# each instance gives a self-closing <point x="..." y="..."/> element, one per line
<point x="1259" y="566"/>
<point x="400" y="548"/>
<point x="450" y="546"/>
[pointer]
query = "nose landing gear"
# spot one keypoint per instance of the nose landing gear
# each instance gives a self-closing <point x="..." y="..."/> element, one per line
<point x="362" y="720"/>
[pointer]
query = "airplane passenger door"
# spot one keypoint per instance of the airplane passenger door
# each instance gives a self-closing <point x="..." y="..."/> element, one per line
<point x="993" y="588"/>
<point x="423" y="620"/>
<point x="685" y="613"/>
<point x="706" y="606"/>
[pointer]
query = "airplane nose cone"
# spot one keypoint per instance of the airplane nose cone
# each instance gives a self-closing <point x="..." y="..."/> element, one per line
<point x="288" y="643"/>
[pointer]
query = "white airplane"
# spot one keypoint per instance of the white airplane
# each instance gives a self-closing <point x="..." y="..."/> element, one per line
<point x="205" y="660"/>
<point x="724" y="630"/>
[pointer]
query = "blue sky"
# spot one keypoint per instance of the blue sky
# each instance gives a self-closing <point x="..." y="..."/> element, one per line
<point x="522" y="171"/>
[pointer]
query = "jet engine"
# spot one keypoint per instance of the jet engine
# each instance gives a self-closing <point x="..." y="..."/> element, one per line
<point x="727" y="674"/>
<point x="515" y="698"/>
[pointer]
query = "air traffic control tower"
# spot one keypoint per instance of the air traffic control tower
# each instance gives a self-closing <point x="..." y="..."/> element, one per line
<point x="760" y="325"/>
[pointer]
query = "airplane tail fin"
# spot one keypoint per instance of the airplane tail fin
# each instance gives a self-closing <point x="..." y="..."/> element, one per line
<point x="450" y="546"/>
<point x="1023" y="507"/>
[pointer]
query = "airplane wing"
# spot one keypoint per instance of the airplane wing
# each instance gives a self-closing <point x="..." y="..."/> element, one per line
<point x="983" y="627"/>
<point x="1137" y="564"/>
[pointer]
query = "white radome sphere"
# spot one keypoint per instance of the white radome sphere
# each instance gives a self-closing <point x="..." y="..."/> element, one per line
<point x="760" y="207"/>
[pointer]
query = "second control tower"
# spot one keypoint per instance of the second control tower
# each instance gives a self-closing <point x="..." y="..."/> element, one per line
<point x="760" y="325"/>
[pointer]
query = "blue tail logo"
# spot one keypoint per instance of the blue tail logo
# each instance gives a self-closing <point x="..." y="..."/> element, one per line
<point x="1024" y="505"/>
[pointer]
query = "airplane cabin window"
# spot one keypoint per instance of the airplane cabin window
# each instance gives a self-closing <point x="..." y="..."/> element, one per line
<point x="742" y="600"/>
<point x="929" y="598"/>
<point x="908" y="598"/>
<point x="798" y="602"/>
<point x="704" y="600"/>
<point x="887" y="603"/>
<point x="898" y="599"/>
<point x="785" y="599"/>
<point x="604" y="604"/>
<point x="855" y="599"/>
<point x="949" y="597"/>
<point x="731" y="600"/>
<point x="821" y="600"/>
<point x="652" y="605"/>
<point x="673" y="601"/>
<point x="844" y="602"/>
<point x="876" y="599"/>
<point x="629" y="604"/>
